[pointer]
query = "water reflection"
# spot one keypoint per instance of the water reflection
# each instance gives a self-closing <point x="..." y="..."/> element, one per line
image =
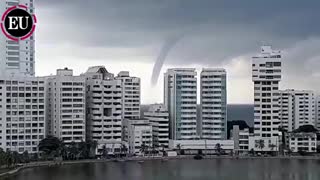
<point x="219" y="169"/>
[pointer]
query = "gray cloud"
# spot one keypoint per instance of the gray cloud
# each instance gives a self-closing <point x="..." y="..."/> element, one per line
<point x="215" y="30"/>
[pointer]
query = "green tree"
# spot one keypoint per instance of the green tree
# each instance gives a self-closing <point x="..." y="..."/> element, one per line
<point x="2" y="157"/>
<point x="163" y="149"/>
<point x="251" y="152"/>
<point x="9" y="159"/>
<point x="92" y="146"/>
<point x="73" y="151"/>
<point x="283" y="139"/>
<point x="143" y="148"/>
<point x="50" y="146"/>
<point x="16" y="157"/>
<point x="124" y="149"/>
<point x="178" y="146"/>
<point x="26" y="157"/>
<point x="84" y="150"/>
<point x="104" y="151"/>
<point x="218" y="149"/>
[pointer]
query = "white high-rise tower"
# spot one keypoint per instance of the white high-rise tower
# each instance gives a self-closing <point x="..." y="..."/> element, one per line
<point x="213" y="101"/>
<point x="266" y="75"/>
<point x="16" y="58"/>
<point x="180" y="98"/>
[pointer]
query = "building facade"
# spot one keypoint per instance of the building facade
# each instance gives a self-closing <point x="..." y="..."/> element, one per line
<point x="202" y="145"/>
<point x="159" y="117"/>
<point x="139" y="136"/>
<point x="180" y="98"/>
<point x="266" y="75"/>
<point x="22" y="113"/>
<point x="17" y="58"/>
<point x="213" y="102"/>
<point x="131" y="92"/>
<point x="317" y="112"/>
<point x="303" y="142"/>
<point x="296" y="108"/>
<point x="104" y="109"/>
<point x="66" y="106"/>
<point x="241" y="140"/>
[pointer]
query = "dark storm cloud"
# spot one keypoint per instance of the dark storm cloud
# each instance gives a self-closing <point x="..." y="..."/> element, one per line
<point x="214" y="31"/>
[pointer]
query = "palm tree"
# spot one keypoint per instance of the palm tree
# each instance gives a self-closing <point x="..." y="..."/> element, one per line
<point x="272" y="146"/>
<point x="84" y="150"/>
<point x="259" y="144"/>
<point x="73" y="150"/>
<point x="283" y="139"/>
<point x="179" y="148"/>
<point x="93" y="147"/>
<point x="162" y="149"/>
<point x="143" y="148"/>
<point x="16" y="158"/>
<point x="123" y="149"/>
<point x="2" y="157"/>
<point x="104" y="151"/>
<point x="9" y="159"/>
<point x="251" y="151"/>
<point x="25" y="157"/>
<point x="218" y="148"/>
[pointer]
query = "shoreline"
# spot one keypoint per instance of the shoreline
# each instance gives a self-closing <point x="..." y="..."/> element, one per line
<point x="142" y="159"/>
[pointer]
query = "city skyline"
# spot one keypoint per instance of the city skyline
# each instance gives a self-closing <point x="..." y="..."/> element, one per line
<point x="131" y="36"/>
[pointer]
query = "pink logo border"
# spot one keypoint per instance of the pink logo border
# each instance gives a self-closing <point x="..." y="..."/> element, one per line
<point x="12" y="37"/>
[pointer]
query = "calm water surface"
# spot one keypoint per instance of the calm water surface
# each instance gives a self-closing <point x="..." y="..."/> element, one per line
<point x="216" y="169"/>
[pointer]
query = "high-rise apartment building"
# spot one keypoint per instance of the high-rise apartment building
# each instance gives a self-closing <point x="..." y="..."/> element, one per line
<point x="17" y="58"/>
<point x="130" y="95"/>
<point x="180" y="98"/>
<point x="159" y="117"/>
<point x="66" y="118"/>
<point x="266" y="75"/>
<point x="296" y="108"/>
<point x="22" y="113"/>
<point x="317" y="111"/>
<point x="104" y="109"/>
<point x="213" y="101"/>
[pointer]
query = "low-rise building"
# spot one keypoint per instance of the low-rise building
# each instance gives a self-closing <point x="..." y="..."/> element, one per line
<point x="202" y="146"/>
<point x="303" y="142"/>
<point x="241" y="140"/>
<point x="139" y="136"/>
<point x="261" y="144"/>
<point x="159" y="117"/>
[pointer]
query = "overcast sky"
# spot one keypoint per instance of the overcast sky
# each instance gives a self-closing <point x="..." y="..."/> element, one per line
<point x="129" y="34"/>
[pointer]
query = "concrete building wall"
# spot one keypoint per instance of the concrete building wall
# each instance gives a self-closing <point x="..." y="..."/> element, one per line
<point x="266" y="75"/>
<point x="22" y="113"/>
<point x="180" y="97"/>
<point x="131" y="95"/>
<point x="104" y="108"/>
<point x="306" y="142"/>
<point x="159" y="117"/>
<point x="66" y="106"/>
<point x="297" y="108"/>
<point x="213" y="102"/>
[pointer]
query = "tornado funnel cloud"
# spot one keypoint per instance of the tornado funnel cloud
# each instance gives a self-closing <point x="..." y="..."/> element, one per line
<point x="168" y="45"/>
